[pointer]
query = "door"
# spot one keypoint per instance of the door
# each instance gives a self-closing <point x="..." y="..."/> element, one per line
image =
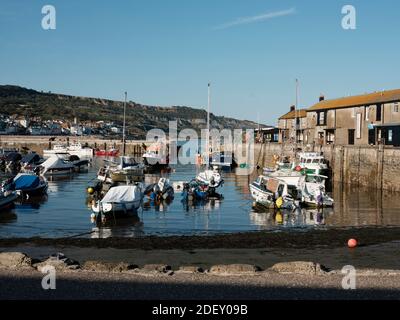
<point x="351" y="136"/>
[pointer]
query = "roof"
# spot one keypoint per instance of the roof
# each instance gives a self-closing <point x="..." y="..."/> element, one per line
<point x="360" y="100"/>
<point x="302" y="113"/>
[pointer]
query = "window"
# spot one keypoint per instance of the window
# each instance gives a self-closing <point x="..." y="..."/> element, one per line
<point x="366" y="113"/>
<point x="358" y="127"/>
<point x="379" y="112"/>
<point x="396" y="107"/>
<point x="390" y="135"/>
<point x="321" y="118"/>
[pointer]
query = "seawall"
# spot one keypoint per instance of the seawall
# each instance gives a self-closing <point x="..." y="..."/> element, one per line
<point x="367" y="166"/>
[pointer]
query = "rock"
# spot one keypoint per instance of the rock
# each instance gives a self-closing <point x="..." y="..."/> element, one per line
<point x="299" y="267"/>
<point x="162" y="268"/>
<point x="60" y="262"/>
<point x="234" y="269"/>
<point x="190" y="269"/>
<point x="107" y="266"/>
<point x="15" y="260"/>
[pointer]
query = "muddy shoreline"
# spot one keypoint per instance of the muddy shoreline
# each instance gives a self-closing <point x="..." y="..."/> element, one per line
<point x="331" y="238"/>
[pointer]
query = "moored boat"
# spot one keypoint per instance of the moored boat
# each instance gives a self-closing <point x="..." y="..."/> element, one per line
<point x="29" y="185"/>
<point x="120" y="201"/>
<point x="7" y="198"/>
<point x="75" y="149"/>
<point x="162" y="190"/>
<point x="106" y="153"/>
<point x="274" y="193"/>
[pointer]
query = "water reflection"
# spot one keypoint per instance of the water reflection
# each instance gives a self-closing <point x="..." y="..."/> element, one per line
<point x="126" y="227"/>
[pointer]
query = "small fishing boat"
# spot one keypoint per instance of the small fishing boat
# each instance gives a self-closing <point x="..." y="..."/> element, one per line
<point x="162" y="190"/>
<point x="120" y="201"/>
<point x="156" y="155"/>
<point x="271" y="192"/>
<point x="211" y="178"/>
<point x="106" y="153"/>
<point x="7" y="198"/>
<point x="194" y="191"/>
<point x="313" y="163"/>
<point x="313" y="192"/>
<point x="75" y="149"/>
<point x="29" y="185"/>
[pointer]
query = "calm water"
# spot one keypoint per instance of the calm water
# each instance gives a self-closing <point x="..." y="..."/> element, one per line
<point x="65" y="212"/>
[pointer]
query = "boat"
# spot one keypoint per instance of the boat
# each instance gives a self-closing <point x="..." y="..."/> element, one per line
<point x="106" y="153"/>
<point x="31" y="160"/>
<point x="28" y="185"/>
<point x="222" y="160"/>
<point x="75" y="149"/>
<point x="7" y="198"/>
<point x="274" y="193"/>
<point x="56" y="165"/>
<point x="78" y="163"/>
<point x="210" y="178"/>
<point x="313" y="163"/>
<point x="162" y="190"/>
<point x="194" y="191"/>
<point x="120" y="201"/>
<point x="156" y="155"/>
<point x="313" y="192"/>
<point x="12" y="161"/>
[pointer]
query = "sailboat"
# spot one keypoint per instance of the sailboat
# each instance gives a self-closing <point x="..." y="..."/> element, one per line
<point x="210" y="178"/>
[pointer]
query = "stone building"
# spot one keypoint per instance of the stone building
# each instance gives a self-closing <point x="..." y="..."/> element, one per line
<point x="358" y="120"/>
<point x="292" y="126"/>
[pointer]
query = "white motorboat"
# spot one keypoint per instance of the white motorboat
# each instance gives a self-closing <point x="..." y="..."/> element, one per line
<point x="313" y="163"/>
<point x="156" y="155"/>
<point x="210" y="178"/>
<point x="120" y="201"/>
<point x="272" y="192"/>
<point x="313" y="192"/>
<point x="75" y="149"/>
<point x="56" y="165"/>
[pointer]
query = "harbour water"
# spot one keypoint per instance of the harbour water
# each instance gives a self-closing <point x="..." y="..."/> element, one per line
<point x="65" y="211"/>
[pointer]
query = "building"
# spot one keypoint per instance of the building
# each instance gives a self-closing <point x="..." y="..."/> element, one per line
<point x="266" y="135"/>
<point x="357" y="120"/>
<point x="292" y="126"/>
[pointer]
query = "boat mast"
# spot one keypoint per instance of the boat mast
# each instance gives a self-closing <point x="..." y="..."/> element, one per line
<point x="123" y="127"/>
<point x="208" y="126"/>
<point x="296" y="107"/>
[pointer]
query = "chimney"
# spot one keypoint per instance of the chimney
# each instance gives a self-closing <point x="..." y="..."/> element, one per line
<point x="292" y="108"/>
<point x="321" y="98"/>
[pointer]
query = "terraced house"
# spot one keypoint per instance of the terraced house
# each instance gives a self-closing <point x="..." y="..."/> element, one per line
<point x="358" y="120"/>
<point x="292" y="126"/>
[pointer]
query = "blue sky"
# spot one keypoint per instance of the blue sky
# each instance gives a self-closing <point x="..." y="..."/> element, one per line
<point x="165" y="52"/>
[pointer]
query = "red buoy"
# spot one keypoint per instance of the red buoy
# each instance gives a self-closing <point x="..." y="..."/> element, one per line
<point x="352" y="243"/>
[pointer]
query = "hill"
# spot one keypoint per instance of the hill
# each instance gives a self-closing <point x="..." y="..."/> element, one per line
<point x="15" y="100"/>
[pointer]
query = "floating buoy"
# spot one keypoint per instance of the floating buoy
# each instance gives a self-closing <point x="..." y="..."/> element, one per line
<point x="279" y="202"/>
<point x="352" y="243"/>
<point x="298" y="168"/>
<point x="90" y="190"/>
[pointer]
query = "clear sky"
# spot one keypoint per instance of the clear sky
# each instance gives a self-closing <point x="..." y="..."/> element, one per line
<point x="164" y="52"/>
